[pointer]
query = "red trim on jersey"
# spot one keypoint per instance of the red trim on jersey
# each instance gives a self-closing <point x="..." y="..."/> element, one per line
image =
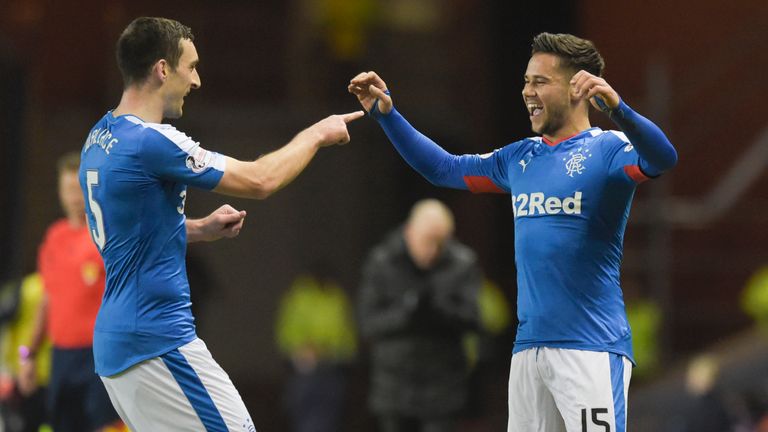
<point x="633" y="171"/>
<point x="481" y="184"/>
<point x="554" y="143"/>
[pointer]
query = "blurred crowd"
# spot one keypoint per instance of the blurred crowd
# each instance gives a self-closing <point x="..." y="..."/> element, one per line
<point x="723" y="388"/>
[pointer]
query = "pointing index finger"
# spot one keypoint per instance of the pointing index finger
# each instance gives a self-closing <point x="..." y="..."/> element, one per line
<point x="352" y="116"/>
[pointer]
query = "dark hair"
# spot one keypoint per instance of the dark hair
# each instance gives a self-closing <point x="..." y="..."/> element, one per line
<point x="147" y="40"/>
<point x="574" y="52"/>
<point x="68" y="162"/>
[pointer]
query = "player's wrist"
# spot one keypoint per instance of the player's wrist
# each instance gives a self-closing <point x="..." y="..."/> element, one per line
<point x="314" y="136"/>
<point x="376" y="112"/>
<point x="193" y="227"/>
<point x="620" y="114"/>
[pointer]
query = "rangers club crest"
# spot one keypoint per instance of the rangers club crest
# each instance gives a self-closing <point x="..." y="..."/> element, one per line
<point x="576" y="162"/>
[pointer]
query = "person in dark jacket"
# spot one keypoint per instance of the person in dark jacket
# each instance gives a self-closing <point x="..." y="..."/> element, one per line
<point x="417" y="300"/>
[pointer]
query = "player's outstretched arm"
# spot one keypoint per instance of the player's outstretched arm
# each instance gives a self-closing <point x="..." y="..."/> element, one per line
<point x="422" y="154"/>
<point x="656" y="152"/>
<point x="271" y="172"/>
<point x="225" y="221"/>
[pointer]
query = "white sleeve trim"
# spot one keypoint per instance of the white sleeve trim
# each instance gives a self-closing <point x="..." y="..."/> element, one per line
<point x="620" y="135"/>
<point x="202" y="158"/>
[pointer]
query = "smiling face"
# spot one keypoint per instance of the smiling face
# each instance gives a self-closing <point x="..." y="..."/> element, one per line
<point x="547" y="95"/>
<point x="180" y="81"/>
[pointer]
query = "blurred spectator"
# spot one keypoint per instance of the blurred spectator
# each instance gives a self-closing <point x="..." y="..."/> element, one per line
<point x="494" y="318"/>
<point x="21" y="412"/>
<point x="316" y="331"/>
<point x="495" y="315"/>
<point x="645" y="320"/>
<point x="644" y="317"/>
<point x="10" y="297"/>
<point x="73" y="277"/>
<point x="417" y="300"/>
<point x="754" y="298"/>
<point x="715" y="408"/>
<point x="488" y="350"/>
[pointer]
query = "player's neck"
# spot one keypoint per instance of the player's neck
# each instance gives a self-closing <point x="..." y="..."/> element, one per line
<point x="568" y="130"/>
<point x="141" y="102"/>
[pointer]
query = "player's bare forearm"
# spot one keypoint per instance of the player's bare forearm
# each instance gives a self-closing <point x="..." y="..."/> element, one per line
<point x="193" y="227"/>
<point x="224" y="222"/>
<point x="261" y="178"/>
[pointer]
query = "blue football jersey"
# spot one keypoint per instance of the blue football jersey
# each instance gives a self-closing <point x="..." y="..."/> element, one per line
<point x="134" y="177"/>
<point x="570" y="204"/>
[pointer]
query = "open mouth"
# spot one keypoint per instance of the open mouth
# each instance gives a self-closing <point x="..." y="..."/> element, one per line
<point x="534" y="109"/>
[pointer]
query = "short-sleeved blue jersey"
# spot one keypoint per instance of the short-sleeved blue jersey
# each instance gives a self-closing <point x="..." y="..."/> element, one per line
<point x="570" y="203"/>
<point x="134" y="177"/>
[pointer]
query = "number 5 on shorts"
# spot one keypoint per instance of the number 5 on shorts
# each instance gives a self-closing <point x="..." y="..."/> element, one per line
<point x="595" y="420"/>
<point x="97" y="232"/>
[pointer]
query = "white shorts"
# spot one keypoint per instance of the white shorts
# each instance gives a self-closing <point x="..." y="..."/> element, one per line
<point x="182" y="390"/>
<point x="558" y="390"/>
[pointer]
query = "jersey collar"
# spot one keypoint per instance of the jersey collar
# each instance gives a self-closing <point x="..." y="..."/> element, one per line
<point x="130" y="117"/>
<point x="591" y="131"/>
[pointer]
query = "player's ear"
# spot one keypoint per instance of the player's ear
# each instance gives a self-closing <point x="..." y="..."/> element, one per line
<point x="571" y="88"/>
<point x="160" y="70"/>
<point x="575" y="100"/>
<point x="572" y="94"/>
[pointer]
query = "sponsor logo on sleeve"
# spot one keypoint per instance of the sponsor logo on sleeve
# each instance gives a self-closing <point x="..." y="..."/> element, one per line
<point x="198" y="160"/>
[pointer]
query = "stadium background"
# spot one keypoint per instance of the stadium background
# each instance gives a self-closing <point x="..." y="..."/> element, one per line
<point x="454" y="66"/>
